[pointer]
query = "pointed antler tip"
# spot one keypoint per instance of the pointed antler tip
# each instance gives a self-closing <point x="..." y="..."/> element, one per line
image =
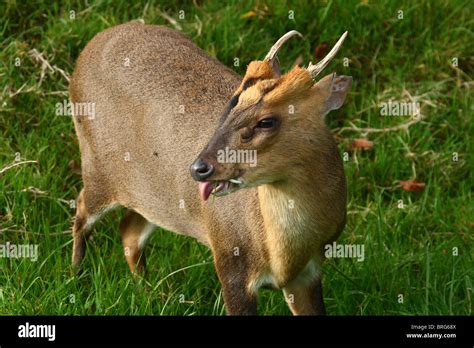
<point x="314" y="70"/>
<point x="276" y="47"/>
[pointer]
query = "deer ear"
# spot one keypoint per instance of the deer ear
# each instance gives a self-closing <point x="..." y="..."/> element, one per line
<point x="333" y="90"/>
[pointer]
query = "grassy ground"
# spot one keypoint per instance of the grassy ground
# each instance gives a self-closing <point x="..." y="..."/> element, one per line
<point x="423" y="252"/>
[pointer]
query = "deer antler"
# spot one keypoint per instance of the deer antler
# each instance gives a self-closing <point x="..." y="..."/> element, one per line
<point x="276" y="47"/>
<point x="314" y="70"/>
<point x="272" y="54"/>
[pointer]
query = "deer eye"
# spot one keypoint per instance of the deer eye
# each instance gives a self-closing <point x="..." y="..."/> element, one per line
<point x="269" y="122"/>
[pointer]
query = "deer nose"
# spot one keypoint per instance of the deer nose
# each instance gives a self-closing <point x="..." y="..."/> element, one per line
<point x="201" y="170"/>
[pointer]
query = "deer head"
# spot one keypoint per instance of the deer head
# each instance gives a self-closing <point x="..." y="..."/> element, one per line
<point x="272" y="126"/>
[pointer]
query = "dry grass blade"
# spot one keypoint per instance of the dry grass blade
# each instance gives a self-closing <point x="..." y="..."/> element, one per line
<point x="170" y="19"/>
<point x="37" y="56"/>
<point x="402" y="126"/>
<point x="3" y="170"/>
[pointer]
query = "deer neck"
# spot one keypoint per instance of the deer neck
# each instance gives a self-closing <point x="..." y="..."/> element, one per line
<point x="286" y="207"/>
<point x="301" y="213"/>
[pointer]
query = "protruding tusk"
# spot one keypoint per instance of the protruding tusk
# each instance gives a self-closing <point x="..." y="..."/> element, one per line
<point x="314" y="70"/>
<point x="276" y="47"/>
<point x="235" y="181"/>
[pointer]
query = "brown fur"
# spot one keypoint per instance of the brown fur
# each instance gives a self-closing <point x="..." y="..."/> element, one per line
<point x="256" y="238"/>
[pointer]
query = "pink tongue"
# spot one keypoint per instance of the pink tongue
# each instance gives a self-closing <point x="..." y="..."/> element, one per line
<point x="205" y="189"/>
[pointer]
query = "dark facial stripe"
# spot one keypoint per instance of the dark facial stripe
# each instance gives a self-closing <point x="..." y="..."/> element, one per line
<point x="232" y="103"/>
<point x="249" y="83"/>
<point x="235" y="99"/>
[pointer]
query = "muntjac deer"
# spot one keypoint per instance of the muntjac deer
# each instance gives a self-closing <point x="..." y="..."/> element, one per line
<point x="163" y="108"/>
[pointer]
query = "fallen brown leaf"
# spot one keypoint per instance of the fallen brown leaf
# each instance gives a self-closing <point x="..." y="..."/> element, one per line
<point x="361" y="144"/>
<point x="412" y="185"/>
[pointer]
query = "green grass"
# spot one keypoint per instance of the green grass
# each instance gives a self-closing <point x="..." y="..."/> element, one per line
<point x="407" y="251"/>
